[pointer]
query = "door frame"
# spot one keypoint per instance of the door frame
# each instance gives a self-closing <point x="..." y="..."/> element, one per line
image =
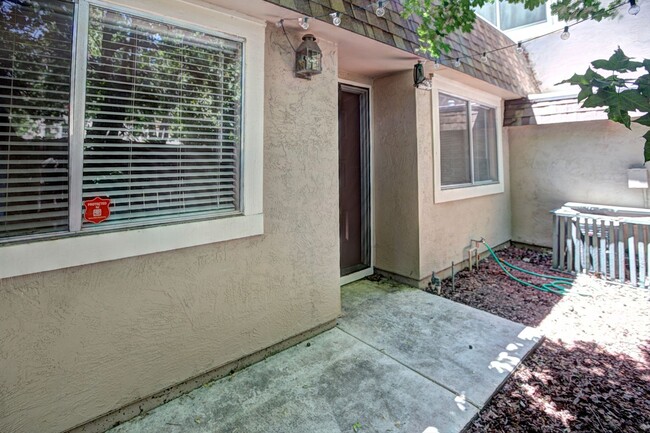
<point x="367" y="155"/>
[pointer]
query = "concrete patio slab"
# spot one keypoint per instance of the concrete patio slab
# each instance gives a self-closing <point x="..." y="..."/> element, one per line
<point x="463" y="349"/>
<point x="332" y="385"/>
<point x="400" y="360"/>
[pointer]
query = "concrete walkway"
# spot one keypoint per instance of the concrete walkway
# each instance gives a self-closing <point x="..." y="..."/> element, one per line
<point x="400" y="360"/>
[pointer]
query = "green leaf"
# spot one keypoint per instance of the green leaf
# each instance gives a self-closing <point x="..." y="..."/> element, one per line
<point x="643" y="120"/>
<point x="618" y="62"/>
<point x="585" y="92"/>
<point x="583" y="80"/>
<point x="595" y="100"/>
<point x="618" y="116"/>
<point x="632" y="100"/>
<point x="646" y="64"/>
<point x="643" y="85"/>
<point x="646" y="147"/>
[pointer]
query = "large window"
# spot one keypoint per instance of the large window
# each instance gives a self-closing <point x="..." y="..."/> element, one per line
<point x="159" y="137"/>
<point x="163" y="114"/>
<point x="126" y="132"/>
<point x="508" y="16"/>
<point x="467" y="141"/>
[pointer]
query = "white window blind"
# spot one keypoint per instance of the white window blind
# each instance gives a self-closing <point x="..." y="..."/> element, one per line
<point x="35" y="65"/>
<point x="163" y="118"/>
<point x="468" y="142"/>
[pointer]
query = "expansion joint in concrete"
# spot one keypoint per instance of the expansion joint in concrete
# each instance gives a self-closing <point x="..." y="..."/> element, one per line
<point x="442" y="385"/>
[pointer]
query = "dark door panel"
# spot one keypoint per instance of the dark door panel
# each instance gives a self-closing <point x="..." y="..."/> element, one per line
<point x="354" y="179"/>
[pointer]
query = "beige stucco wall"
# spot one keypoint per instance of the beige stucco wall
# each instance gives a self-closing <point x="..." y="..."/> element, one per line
<point x="395" y="179"/>
<point x="581" y="162"/>
<point x="79" y="342"/>
<point x="447" y="228"/>
<point x="414" y="235"/>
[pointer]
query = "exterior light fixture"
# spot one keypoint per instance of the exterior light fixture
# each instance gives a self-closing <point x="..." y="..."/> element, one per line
<point x="308" y="58"/>
<point x="418" y="74"/>
<point x="634" y="8"/>
<point x="336" y="18"/>
<point x="565" y="34"/>
<point x="520" y="49"/>
<point x="381" y="10"/>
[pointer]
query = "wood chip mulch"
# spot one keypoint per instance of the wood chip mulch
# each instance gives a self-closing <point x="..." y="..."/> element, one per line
<point x="592" y="371"/>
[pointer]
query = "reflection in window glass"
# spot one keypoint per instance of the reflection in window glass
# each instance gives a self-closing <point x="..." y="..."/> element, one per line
<point x="484" y="143"/>
<point x="35" y="66"/>
<point x="163" y="115"/>
<point x="455" y="168"/>
<point x="489" y="12"/>
<point x="468" y="142"/>
<point x="514" y="15"/>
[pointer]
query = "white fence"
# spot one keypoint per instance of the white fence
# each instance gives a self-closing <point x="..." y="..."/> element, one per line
<point x="613" y="242"/>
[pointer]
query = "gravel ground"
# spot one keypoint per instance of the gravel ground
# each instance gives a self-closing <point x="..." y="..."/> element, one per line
<point x="592" y="371"/>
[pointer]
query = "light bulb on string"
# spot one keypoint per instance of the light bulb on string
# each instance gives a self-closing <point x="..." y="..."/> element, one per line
<point x="279" y="23"/>
<point x="565" y="34"/>
<point x="304" y="22"/>
<point x="520" y="49"/>
<point x="484" y="57"/>
<point x="634" y="8"/>
<point x="436" y="63"/>
<point x="457" y="62"/>
<point x="381" y="10"/>
<point x="336" y="18"/>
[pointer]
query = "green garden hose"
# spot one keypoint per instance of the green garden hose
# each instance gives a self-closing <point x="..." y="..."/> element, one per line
<point x="558" y="285"/>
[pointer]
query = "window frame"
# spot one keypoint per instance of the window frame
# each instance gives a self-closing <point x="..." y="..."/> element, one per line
<point x="497" y="17"/>
<point x="445" y="193"/>
<point x="73" y="247"/>
<point x="529" y="30"/>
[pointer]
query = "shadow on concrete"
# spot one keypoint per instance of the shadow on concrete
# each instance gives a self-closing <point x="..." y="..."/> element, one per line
<point x="577" y="387"/>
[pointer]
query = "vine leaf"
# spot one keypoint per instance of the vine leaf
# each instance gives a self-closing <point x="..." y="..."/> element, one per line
<point x="643" y="120"/>
<point x="618" y="62"/>
<point x="620" y="96"/>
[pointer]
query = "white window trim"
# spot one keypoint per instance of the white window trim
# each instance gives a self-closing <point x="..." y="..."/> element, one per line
<point x="529" y="30"/>
<point x="78" y="249"/>
<point x="444" y="194"/>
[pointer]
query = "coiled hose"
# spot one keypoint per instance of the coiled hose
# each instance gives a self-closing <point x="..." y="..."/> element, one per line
<point x="558" y="285"/>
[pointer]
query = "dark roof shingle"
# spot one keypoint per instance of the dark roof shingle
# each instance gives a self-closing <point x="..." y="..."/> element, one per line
<point x="505" y="68"/>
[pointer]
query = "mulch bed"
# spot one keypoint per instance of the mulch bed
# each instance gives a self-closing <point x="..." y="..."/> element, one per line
<point x="592" y="371"/>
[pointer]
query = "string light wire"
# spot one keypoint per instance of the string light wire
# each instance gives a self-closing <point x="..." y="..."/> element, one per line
<point x="449" y="58"/>
<point x="478" y="54"/>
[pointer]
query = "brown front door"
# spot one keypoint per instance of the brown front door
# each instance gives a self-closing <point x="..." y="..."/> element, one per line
<point x="354" y="181"/>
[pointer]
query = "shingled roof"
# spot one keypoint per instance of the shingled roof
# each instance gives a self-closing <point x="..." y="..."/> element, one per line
<point x="506" y="68"/>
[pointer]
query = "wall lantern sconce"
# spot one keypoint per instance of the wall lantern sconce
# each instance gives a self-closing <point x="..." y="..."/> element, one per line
<point x="308" y="58"/>
<point x="418" y="74"/>
<point x="420" y="81"/>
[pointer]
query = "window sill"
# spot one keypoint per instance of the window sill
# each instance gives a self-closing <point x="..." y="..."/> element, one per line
<point x="461" y="193"/>
<point x="53" y="254"/>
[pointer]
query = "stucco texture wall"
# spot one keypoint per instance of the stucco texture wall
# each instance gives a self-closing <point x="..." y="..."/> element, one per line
<point x="447" y="228"/>
<point x="395" y="179"/>
<point x="414" y="235"/>
<point x="79" y="342"/>
<point x="581" y="162"/>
